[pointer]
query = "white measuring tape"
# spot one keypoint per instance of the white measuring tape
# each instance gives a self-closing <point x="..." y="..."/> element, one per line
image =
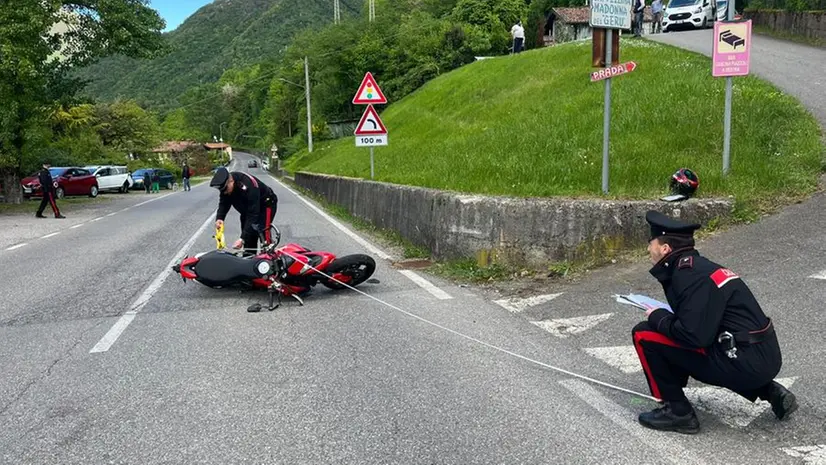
<point x="486" y="344"/>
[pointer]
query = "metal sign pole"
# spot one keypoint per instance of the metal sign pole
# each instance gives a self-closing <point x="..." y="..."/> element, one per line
<point x="372" y="169"/>
<point x="727" y="118"/>
<point x="607" y="121"/>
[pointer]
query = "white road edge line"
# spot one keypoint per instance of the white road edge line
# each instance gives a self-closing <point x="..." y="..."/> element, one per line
<point x="667" y="448"/>
<point x="96" y="219"/>
<point x="426" y="285"/>
<point x="373" y="249"/>
<point x="77" y="226"/>
<point x="120" y="326"/>
<point x="821" y="275"/>
<point x="50" y="235"/>
<point x="420" y="281"/>
<point x="17" y="246"/>
<point x="112" y="214"/>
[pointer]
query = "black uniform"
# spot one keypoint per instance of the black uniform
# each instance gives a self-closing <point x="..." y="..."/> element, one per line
<point x="253" y="199"/>
<point x="709" y="302"/>
<point x="47" y="187"/>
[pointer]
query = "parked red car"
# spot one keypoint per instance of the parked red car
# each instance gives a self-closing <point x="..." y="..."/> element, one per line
<point x="70" y="181"/>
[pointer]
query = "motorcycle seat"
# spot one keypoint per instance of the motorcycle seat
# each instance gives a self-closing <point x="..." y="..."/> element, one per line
<point x="224" y="267"/>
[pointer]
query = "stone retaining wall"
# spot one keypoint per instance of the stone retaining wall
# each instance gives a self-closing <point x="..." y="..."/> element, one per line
<point x="525" y="231"/>
<point x="810" y="24"/>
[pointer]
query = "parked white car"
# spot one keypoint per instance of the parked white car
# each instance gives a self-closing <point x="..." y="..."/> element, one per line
<point x="112" y="178"/>
<point x="694" y="13"/>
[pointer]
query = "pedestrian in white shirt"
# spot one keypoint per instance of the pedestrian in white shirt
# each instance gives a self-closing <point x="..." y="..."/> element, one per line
<point x="518" y="33"/>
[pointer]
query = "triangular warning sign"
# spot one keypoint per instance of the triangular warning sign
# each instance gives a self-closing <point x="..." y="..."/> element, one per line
<point x="370" y="124"/>
<point x="369" y="92"/>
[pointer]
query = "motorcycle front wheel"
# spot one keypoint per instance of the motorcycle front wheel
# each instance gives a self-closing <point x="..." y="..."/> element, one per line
<point x="357" y="267"/>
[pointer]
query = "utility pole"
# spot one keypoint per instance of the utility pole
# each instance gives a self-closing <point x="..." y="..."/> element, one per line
<point x="309" y="118"/>
<point x="336" y="11"/>
<point x="372" y="8"/>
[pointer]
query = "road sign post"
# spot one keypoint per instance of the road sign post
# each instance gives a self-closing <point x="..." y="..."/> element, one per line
<point x="731" y="56"/>
<point x="609" y="15"/>
<point x="370" y="131"/>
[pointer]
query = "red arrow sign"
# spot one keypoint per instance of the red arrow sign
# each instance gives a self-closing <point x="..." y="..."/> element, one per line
<point x="620" y="69"/>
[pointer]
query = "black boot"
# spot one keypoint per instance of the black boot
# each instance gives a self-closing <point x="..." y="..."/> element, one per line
<point x="664" y="419"/>
<point x="783" y="401"/>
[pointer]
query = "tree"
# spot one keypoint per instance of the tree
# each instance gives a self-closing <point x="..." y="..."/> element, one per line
<point x="41" y="42"/>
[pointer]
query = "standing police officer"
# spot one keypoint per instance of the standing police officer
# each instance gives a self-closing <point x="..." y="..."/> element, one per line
<point x="717" y="333"/>
<point x="253" y="199"/>
<point x="47" y="186"/>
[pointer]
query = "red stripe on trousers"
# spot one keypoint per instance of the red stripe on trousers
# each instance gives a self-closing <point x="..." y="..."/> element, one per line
<point x="652" y="336"/>
<point x="54" y="205"/>
<point x="268" y="223"/>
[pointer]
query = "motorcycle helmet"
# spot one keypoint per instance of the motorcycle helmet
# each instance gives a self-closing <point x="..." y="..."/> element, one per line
<point x="684" y="182"/>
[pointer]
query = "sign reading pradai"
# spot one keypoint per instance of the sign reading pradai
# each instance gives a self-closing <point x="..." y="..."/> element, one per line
<point x="611" y="14"/>
<point x="732" y="49"/>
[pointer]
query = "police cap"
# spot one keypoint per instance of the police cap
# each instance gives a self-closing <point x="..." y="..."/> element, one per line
<point x="219" y="180"/>
<point x="662" y="225"/>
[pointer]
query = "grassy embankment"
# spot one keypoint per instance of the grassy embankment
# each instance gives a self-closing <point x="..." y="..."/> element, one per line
<point x="531" y="125"/>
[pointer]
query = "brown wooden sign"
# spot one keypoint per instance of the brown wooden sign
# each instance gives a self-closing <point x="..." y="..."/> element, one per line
<point x="598" y="48"/>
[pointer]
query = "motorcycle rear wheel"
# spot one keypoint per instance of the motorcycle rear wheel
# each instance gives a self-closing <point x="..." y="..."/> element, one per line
<point x="359" y="267"/>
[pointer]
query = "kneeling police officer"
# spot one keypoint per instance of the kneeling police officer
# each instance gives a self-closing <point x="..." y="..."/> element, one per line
<point x="254" y="200"/>
<point x="717" y="333"/>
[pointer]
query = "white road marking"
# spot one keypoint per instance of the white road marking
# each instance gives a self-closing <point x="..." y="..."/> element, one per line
<point x="114" y="333"/>
<point x="811" y="455"/>
<point x="96" y="219"/>
<point x="732" y="409"/>
<point x="113" y="214"/>
<point x="568" y="326"/>
<point x="669" y="449"/>
<point x="426" y="285"/>
<point x="154" y="199"/>
<point x="373" y="249"/>
<point x="622" y="357"/>
<point x="821" y="275"/>
<point x="77" y="226"/>
<point x="17" y="246"/>
<point x="517" y="305"/>
<point x="438" y="293"/>
<point x="50" y="235"/>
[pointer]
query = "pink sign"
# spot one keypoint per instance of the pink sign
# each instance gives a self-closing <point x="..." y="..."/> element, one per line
<point x="732" y="49"/>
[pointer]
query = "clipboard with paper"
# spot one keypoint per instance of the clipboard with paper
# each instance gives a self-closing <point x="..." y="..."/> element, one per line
<point x="642" y="302"/>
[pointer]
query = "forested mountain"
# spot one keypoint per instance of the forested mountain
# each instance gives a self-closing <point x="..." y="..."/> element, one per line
<point x="222" y="35"/>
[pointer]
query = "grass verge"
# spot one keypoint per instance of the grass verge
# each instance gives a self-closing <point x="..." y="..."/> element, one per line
<point x="531" y="125"/>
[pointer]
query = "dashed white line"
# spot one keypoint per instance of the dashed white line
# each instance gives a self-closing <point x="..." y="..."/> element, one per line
<point x="426" y="285"/>
<point x="669" y="449"/>
<point x="77" y="226"/>
<point x="120" y="326"/>
<point x="50" y="235"/>
<point x="564" y="327"/>
<point x="518" y="305"/>
<point x="373" y="249"/>
<point x="821" y="275"/>
<point x="17" y="246"/>
<point x="96" y="219"/>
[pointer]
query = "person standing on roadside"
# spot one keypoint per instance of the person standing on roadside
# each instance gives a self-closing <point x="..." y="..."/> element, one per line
<point x="518" y="33"/>
<point x="47" y="185"/>
<point x="186" y="174"/>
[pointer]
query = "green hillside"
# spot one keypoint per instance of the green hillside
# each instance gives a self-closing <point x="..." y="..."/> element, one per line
<point x="531" y="125"/>
<point x="219" y="36"/>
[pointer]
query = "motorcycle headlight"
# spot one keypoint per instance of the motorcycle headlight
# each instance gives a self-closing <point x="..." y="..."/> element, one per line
<point x="264" y="268"/>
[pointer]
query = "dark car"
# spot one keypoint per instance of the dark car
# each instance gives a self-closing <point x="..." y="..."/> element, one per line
<point x="252" y="164"/>
<point x="70" y="181"/>
<point x="167" y="178"/>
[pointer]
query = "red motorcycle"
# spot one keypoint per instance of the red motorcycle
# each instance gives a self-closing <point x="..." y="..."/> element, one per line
<point x="289" y="271"/>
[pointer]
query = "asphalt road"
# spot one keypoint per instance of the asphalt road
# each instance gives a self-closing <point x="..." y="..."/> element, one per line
<point x="406" y="375"/>
<point x="798" y="70"/>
